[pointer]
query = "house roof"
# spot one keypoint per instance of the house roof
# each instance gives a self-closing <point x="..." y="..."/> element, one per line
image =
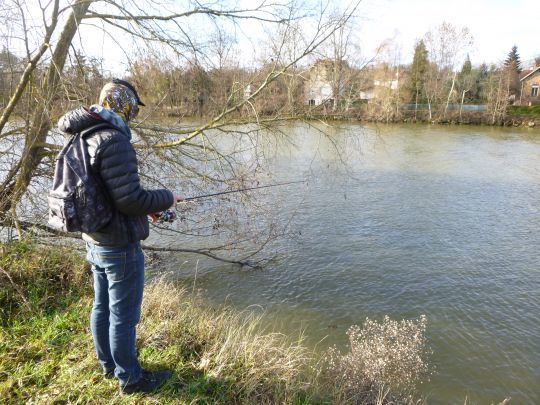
<point x="525" y="73"/>
<point x="530" y="73"/>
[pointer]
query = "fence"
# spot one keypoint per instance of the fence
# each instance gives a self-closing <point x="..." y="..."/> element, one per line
<point x="451" y="107"/>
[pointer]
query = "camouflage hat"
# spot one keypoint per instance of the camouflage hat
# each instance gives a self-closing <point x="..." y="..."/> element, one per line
<point x="131" y="87"/>
<point x="121" y="97"/>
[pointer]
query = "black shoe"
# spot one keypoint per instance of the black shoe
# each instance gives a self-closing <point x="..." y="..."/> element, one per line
<point x="149" y="381"/>
<point x="108" y="374"/>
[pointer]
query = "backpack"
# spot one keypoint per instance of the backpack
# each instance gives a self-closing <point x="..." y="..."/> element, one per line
<point x="78" y="200"/>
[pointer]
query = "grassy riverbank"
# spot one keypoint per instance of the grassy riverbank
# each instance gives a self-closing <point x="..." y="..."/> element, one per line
<point x="515" y="116"/>
<point x="219" y="356"/>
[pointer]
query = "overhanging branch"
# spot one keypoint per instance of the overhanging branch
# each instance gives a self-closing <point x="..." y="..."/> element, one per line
<point x="236" y="14"/>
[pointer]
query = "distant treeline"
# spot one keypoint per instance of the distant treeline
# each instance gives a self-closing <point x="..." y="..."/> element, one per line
<point x="424" y="90"/>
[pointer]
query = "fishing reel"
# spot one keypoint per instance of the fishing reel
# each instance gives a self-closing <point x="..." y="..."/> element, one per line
<point x="167" y="216"/>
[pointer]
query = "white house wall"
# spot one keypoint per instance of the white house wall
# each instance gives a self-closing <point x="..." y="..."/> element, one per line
<point x="319" y="91"/>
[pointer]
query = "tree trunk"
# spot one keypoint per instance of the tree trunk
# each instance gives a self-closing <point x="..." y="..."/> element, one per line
<point x="29" y="69"/>
<point x="450" y="93"/>
<point x="461" y="105"/>
<point x="416" y="104"/>
<point x="32" y="153"/>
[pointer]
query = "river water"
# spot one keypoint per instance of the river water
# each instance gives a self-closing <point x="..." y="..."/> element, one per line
<point x="404" y="220"/>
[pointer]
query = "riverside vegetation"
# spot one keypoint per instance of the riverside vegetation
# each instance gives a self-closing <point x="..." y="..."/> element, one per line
<point x="218" y="355"/>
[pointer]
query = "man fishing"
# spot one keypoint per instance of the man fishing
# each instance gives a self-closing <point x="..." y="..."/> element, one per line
<point x="114" y="251"/>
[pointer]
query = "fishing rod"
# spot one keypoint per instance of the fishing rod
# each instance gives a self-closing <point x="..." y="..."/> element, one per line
<point x="170" y="215"/>
<point x="240" y="190"/>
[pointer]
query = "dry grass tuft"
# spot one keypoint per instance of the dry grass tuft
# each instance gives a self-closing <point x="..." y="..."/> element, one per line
<point x="225" y="344"/>
<point x="385" y="357"/>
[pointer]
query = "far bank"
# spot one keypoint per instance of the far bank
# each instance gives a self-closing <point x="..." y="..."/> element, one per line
<point x="515" y="116"/>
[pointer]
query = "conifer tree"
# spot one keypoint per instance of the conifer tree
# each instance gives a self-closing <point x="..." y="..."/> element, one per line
<point x="513" y="60"/>
<point x="512" y="69"/>
<point x="484" y="71"/>
<point x="483" y="77"/>
<point x="467" y="67"/>
<point x="466" y="80"/>
<point x="418" y="71"/>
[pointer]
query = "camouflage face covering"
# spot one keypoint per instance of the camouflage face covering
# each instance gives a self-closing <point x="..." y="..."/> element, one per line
<point x="119" y="99"/>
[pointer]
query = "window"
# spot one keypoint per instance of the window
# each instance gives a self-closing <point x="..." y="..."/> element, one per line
<point x="311" y="102"/>
<point x="534" y="90"/>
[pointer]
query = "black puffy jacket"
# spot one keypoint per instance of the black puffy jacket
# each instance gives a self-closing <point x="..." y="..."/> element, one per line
<point x="113" y="158"/>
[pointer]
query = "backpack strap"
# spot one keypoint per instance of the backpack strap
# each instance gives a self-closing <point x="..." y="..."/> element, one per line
<point x="94" y="128"/>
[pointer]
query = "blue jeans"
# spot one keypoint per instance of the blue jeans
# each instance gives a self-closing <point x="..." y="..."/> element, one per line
<point x="118" y="290"/>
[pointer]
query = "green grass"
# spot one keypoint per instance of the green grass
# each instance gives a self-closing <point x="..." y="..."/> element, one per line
<point x="218" y="355"/>
<point x="533" y="111"/>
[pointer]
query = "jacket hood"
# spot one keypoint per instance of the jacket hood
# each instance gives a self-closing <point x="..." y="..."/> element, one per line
<point x="78" y="120"/>
<point x="82" y="118"/>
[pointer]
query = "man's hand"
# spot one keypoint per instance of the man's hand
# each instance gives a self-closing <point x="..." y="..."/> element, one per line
<point x="165" y="216"/>
<point x="177" y="199"/>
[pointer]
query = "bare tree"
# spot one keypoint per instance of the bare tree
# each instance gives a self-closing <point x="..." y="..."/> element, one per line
<point x="219" y="152"/>
<point x="20" y="174"/>
<point x="498" y="93"/>
<point x="447" y="46"/>
<point x="286" y="43"/>
<point x="345" y="63"/>
<point x="386" y="76"/>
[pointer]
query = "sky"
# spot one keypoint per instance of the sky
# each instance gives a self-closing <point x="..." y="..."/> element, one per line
<point x="496" y="25"/>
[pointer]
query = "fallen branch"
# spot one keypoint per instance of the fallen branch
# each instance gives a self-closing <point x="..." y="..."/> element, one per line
<point x="201" y="252"/>
<point x="31" y="227"/>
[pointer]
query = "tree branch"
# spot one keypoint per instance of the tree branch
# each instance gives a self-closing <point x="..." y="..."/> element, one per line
<point x="235" y="14"/>
<point x="200" y="252"/>
<point x="32" y="64"/>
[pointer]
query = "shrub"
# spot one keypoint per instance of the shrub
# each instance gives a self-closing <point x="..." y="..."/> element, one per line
<point x="387" y="356"/>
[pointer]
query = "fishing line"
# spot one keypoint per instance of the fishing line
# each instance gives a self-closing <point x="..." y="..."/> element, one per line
<point x="170" y="215"/>
<point x="241" y="189"/>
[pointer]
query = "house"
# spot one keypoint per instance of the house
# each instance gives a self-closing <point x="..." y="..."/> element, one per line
<point x="318" y="86"/>
<point x="379" y="82"/>
<point x="324" y="81"/>
<point x="530" y="85"/>
<point x="334" y="83"/>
